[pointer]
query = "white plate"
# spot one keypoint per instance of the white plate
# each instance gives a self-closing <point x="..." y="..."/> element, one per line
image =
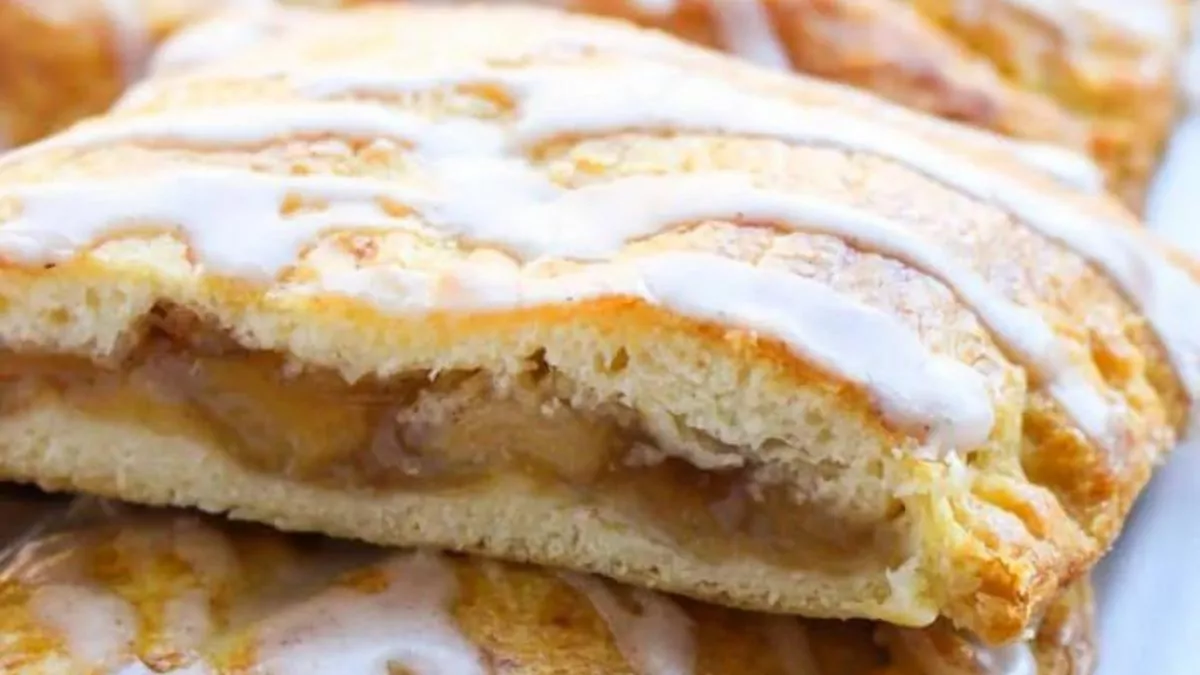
<point x="1150" y="585"/>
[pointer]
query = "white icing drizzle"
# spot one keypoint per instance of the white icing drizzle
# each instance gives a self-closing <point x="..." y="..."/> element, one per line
<point x="215" y="208"/>
<point x="98" y="627"/>
<point x="641" y="90"/>
<point x="205" y="549"/>
<point x="656" y="7"/>
<point x="133" y="43"/>
<point x="656" y="639"/>
<point x="187" y="621"/>
<point x="1070" y="168"/>
<point x="1152" y="20"/>
<point x="1014" y="659"/>
<point x="347" y="631"/>
<point x="256" y="124"/>
<point x="789" y="640"/>
<point x="1190" y="70"/>
<point x="209" y="40"/>
<point x="1054" y="11"/>
<point x="745" y="29"/>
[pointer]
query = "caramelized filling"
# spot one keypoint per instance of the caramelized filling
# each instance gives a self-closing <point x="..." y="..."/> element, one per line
<point x="453" y="431"/>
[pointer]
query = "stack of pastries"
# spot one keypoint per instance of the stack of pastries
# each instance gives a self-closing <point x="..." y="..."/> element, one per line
<point x="663" y="362"/>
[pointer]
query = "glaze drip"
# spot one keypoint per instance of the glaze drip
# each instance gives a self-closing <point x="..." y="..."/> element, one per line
<point x="652" y="632"/>
<point x="405" y="623"/>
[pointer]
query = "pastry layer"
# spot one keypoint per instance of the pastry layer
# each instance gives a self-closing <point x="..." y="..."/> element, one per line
<point x="73" y="62"/>
<point x="633" y="285"/>
<point x="113" y="590"/>
<point x="1116" y="65"/>
<point x="63" y="60"/>
<point x="1093" y="76"/>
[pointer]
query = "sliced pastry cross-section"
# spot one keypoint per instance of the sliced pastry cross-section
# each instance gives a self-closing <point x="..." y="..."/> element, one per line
<point x="553" y="289"/>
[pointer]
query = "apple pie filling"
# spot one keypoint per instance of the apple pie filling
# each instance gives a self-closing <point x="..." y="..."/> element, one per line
<point x="458" y="431"/>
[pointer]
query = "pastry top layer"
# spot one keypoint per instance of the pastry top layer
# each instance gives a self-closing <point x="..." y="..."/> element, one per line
<point x="1092" y="75"/>
<point x="1087" y="26"/>
<point x="391" y="188"/>
<point x="1157" y="26"/>
<point x="1113" y="64"/>
<point x="123" y="591"/>
<point x="884" y="46"/>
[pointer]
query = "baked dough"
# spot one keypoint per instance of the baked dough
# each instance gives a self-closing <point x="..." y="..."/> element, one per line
<point x="175" y="594"/>
<point x="550" y="288"/>
<point x="1091" y="75"/>
<point x="62" y="60"/>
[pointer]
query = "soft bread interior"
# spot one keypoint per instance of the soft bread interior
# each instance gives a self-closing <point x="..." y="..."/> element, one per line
<point x="523" y="462"/>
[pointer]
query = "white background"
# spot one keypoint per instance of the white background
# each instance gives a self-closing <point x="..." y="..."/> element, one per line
<point x="1150" y="586"/>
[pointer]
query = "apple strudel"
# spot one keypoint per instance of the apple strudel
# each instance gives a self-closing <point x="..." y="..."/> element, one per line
<point x="549" y="288"/>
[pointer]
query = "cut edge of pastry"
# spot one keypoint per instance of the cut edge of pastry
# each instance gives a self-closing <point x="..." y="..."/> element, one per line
<point x="82" y="428"/>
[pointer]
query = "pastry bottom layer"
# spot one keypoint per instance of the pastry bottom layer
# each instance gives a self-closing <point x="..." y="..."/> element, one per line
<point x="113" y="588"/>
<point x="525" y="469"/>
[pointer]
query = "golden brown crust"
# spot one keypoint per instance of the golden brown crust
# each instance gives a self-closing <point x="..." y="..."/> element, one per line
<point x="979" y="69"/>
<point x="184" y="581"/>
<point x="1082" y="81"/>
<point x="884" y="47"/>
<point x="1119" y="79"/>
<point x="64" y="60"/>
<point x="993" y="536"/>
<point x="964" y="73"/>
<point x="60" y="60"/>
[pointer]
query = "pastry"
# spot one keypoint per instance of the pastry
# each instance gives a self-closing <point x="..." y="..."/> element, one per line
<point x="546" y="287"/>
<point x="1112" y="63"/>
<point x="62" y="60"/>
<point x="1096" y="75"/>
<point x="225" y="33"/>
<point x="89" y="52"/>
<point x="169" y="593"/>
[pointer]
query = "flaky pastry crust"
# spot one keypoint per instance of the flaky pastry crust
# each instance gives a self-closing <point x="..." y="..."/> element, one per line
<point x="62" y="61"/>
<point x="549" y="288"/>
<point x="1095" y="77"/>
<point x="114" y="590"/>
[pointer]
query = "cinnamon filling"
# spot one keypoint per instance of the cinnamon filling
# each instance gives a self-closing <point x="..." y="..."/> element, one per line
<point x="459" y="431"/>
